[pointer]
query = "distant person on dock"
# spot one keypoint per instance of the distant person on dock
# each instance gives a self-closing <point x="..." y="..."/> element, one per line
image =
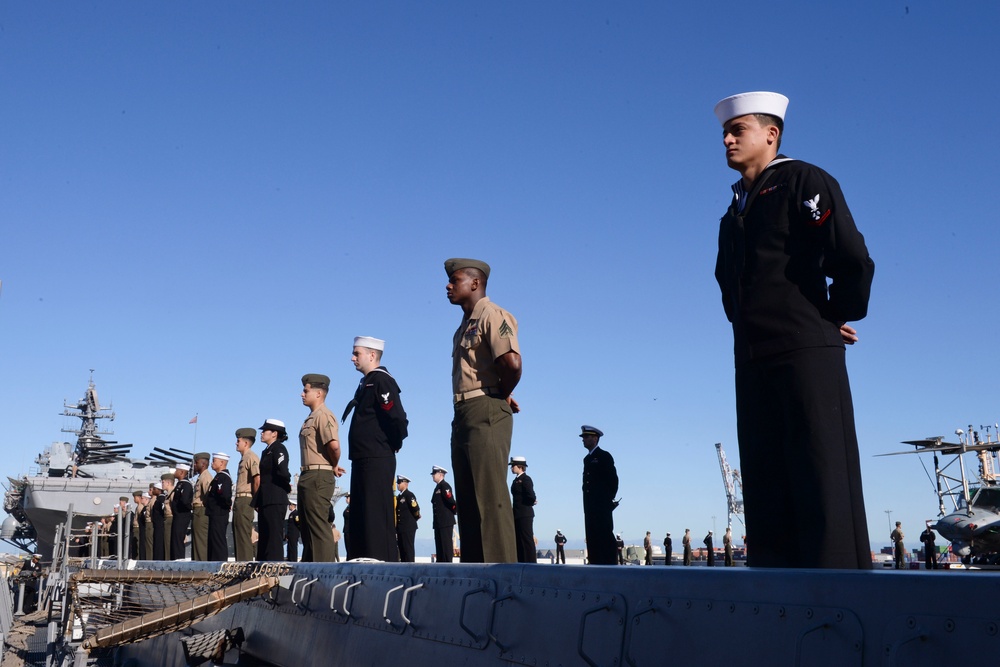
<point x="710" y="556"/>
<point x="620" y="548"/>
<point x="560" y="540"/>
<point x="793" y="270"/>
<point x="199" y="522"/>
<point x="668" y="549"/>
<point x="217" y="505"/>
<point x="686" y="543"/>
<point x="247" y="483"/>
<point x="319" y="444"/>
<point x="600" y="486"/>
<point x="898" y="550"/>
<point x="930" y="549"/>
<point x="523" y="500"/>
<point x="443" y="506"/>
<point x="727" y="543"/>
<point x="486" y="367"/>
<point x="647" y="545"/>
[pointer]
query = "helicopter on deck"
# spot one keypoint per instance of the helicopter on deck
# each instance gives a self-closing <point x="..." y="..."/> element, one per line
<point x="973" y="527"/>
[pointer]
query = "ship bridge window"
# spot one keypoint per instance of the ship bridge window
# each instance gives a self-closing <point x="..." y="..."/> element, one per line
<point x="987" y="498"/>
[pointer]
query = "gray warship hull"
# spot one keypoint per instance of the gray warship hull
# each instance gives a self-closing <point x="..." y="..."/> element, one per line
<point x="357" y="613"/>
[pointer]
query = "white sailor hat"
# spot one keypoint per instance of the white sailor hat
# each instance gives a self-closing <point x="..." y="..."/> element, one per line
<point x="518" y="461"/>
<point x="221" y="455"/>
<point x="273" y="425"/>
<point x="438" y="469"/>
<point x="182" y="466"/>
<point x="158" y="486"/>
<point x="773" y="104"/>
<point x="590" y="430"/>
<point x="293" y="499"/>
<point x="369" y="342"/>
<point x="402" y="478"/>
<point x="145" y="494"/>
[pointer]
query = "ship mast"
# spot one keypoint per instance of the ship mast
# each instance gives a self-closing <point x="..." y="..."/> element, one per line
<point x="88" y="410"/>
<point x="731" y="480"/>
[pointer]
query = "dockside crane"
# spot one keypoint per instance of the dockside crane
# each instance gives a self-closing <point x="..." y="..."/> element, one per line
<point x="734" y="487"/>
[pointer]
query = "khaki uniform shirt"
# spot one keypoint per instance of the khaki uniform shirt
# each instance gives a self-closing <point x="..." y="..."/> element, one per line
<point x="167" y="511"/>
<point x="201" y="488"/>
<point x="249" y="468"/>
<point x="487" y="334"/>
<point x="319" y="428"/>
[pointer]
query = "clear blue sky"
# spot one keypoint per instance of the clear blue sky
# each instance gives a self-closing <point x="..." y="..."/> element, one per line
<point x="203" y="201"/>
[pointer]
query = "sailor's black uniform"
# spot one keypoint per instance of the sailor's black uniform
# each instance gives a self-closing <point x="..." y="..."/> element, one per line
<point x="779" y="243"/>
<point x="378" y="428"/>
<point x="443" y="503"/>
<point x="158" y="519"/>
<point x="218" y="502"/>
<point x="407" y="514"/>
<point x="181" y="504"/>
<point x="522" y="493"/>
<point x="600" y="485"/>
<point x="271" y="500"/>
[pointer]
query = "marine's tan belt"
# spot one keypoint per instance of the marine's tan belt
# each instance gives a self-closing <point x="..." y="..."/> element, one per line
<point x="485" y="391"/>
<point x="317" y="466"/>
<point x="244" y="495"/>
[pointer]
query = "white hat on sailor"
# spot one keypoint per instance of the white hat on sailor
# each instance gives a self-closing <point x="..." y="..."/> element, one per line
<point x="773" y="104"/>
<point x="402" y="478"/>
<point x="370" y="343"/>
<point x="518" y="461"/>
<point x="438" y="469"/>
<point x="590" y="430"/>
<point x="221" y="455"/>
<point x="273" y="425"/>
<point x="182" y="466"/>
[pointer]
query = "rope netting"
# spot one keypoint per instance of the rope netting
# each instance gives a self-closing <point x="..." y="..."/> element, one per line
<point x="113" y="607"/>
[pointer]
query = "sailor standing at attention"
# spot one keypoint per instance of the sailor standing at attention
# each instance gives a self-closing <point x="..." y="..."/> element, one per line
<point x="407" y="515"/>
<point x="199" y="522"/>
<point x="793" y="270"/>
<point x="272" y="493"/>
<point x="167" y="480"/>
<point x="218" y="502"/>
<point x="158" y="519"/>
<point x="180" y="505"/>
<point x="247" y="482"/>
<point x="523" y="500"/>
<point x="319" y="448"/>
<point x="443" y="508"/>
<point x="378" y="428"/>
<point x="486" y="366"/>
<point x="898" y="550"/>
<point x="600" y="485"/>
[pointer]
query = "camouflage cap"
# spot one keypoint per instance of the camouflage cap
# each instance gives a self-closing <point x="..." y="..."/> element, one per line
<point x="316" y="380"/>
<point x="247" y="434"/>
<point x="202" y="456"/>
<point x="455" y="263"/>
<point x="125" y="498"/>
<point x="137" y="493"/>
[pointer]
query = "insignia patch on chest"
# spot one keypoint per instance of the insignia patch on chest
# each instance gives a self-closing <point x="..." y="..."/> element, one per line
<point x="505" y="330"/>
<point x="767" y="191"/>
<point x="473" y="329"/>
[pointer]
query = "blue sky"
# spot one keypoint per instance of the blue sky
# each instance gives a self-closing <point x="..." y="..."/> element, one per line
<point x="203" y="201"/>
